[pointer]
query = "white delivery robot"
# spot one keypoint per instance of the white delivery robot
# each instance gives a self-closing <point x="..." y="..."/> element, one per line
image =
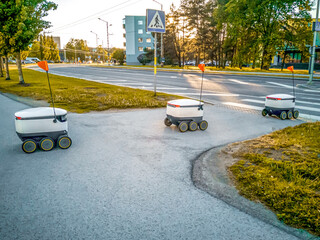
<point x="43" y="126"/>
<point x="186" y="114"/>
<point x="281" y="105"/>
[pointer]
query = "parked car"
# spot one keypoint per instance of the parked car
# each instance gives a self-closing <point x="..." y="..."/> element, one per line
<point x="50" y="61"/>
<point x="33" y="59"/>
<point x="27" y="61"/>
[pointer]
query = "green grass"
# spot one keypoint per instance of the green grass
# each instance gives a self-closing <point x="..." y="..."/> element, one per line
<point x="80" y="96"/>
<point x="282" y="170"/>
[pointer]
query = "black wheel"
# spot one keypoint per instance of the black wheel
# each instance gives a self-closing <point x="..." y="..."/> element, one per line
<point x="203" y="125"/>
<point x="289" y="114"/>
<point x="264" y="112"/>
<point x="29" y="146"/>
<point x="46" y="144"/>
<point x="283" y="115"/>
<point x="167" y="122"/>
<point x="64" y="142"/>
<point x="183" y="126"/>
<point x="193" y="126"/>
<point x="296" y="114"/>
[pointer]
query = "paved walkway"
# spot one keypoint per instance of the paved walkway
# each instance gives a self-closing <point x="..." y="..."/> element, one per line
<point x="126" y="176"/>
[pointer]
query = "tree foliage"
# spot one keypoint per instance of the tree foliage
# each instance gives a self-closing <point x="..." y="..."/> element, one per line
<point x="237" y="31"/>
<point x="21" y="22"/>
<point x="44" y="49"/>
<point x="119" y="55"/>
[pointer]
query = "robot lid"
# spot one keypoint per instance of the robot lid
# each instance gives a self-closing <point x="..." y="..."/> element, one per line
<point x="280" y="97"/>
<point x="185" y="103"/>
<point x="40" y="112"/>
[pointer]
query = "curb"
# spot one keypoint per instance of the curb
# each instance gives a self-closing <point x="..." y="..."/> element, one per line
<point x="209" y="173"/>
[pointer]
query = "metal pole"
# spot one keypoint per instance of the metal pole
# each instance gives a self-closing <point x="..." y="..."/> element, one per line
<point x="314" y="46"/>
<point x="155" y="65"/>
<point x="54" y="111"/>
<point x="162" y="51"/>
<point x="108" y="41"/>
<point x="107" y="35"/>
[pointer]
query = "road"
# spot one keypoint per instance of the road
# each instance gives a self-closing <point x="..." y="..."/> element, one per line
<point x="237" y="91"/>
<point x="126" y="176"/>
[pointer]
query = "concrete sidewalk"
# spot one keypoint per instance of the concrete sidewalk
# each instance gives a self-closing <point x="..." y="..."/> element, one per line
<point x="126" y="176"/>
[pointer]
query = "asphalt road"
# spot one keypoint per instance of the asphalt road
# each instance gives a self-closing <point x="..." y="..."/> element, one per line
<point x="126" y="176"/>
<point x="237" y="91"/>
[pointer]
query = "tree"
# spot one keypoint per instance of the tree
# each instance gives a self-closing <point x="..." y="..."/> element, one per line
<point x="76" y="48"/>
<point x="265" y="21"/>
<point x="119" y="55"/>
<point x="23" y="21"/>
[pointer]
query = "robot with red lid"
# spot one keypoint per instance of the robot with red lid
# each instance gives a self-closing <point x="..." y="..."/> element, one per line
<point x="186" y="114"/>
<point x="281" y="105"/>
<point x="42" y="126"/>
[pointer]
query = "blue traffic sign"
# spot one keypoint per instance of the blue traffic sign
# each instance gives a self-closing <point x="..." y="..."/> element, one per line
<point x="156" y="21"/>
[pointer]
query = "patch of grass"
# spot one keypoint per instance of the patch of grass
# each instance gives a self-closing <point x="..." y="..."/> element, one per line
<point x="80" y="96"/>
<point x="282" y="170"/>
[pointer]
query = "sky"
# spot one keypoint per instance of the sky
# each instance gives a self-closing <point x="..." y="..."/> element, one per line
<point x="77" y="18"/>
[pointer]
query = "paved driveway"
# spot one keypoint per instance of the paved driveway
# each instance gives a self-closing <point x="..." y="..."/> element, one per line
<point x="126" y="176"/>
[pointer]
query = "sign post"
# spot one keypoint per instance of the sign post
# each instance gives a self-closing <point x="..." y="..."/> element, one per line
<point x="155" y="23"/>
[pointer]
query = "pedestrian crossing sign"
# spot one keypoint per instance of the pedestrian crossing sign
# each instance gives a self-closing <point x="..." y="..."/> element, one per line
<point x="156" y="21"/>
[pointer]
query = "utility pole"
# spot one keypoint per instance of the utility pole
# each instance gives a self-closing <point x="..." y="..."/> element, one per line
<point x="314" y="46"/>
<point x="108" y="49"/>
<point x="162" y="52"/>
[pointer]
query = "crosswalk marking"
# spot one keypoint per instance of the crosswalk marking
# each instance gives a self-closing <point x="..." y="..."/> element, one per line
<point x="280" y="84"/>
<point x="240" y="82"/>
<point x="242" y="105"/>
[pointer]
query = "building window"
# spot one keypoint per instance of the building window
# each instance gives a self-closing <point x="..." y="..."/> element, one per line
<point x="148" y="48"/>
<point x="140" y="22"/>
<point x="140" y="49"/>
<point x="124" y="44"/>
<point x="124" y="35"/>
<point x="140" y="31"/>
<point x="148" y="40"/>
<point x="140" y="40"/>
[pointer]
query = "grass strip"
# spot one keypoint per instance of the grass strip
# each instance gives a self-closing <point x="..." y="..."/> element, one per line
<point x="77" y="95"/>
<point x="282" y="170"/>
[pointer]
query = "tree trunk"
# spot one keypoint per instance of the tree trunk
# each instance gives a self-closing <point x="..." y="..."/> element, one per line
<point x="7" y="68"/>
<point x="1" y="66"/>
<point x="18" y="59"/>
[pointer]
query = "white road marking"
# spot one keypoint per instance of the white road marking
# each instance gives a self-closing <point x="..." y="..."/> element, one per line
<point x="173" y="77"/>
<point x="281" y="85"/>
<point x="308" y="116"/>
<point x="106" y="80"/>
<point x="242" y="105"/>
<point x="308" y="90"/>
<point x="211" y="94"/>
<point x="238" y="81"/>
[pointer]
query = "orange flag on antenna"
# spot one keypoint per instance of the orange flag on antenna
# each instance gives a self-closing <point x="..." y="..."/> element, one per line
<point x="201" y="66"/>
<point x="290" y="68"/>
<point x="43" y="65"/>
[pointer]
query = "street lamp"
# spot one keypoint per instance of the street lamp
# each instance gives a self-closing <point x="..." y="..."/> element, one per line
<point x="96" y="37"/>
<point x="107" y="34"/>
<point x="96" y="43"/>
<point x="162" y="53"/>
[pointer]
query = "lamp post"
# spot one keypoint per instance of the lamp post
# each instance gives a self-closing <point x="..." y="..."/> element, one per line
<point x="162" y="53"/>
<point x="313" y="52"/>
<point x="96" y="43"/>
<point x="107" y="35"/>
